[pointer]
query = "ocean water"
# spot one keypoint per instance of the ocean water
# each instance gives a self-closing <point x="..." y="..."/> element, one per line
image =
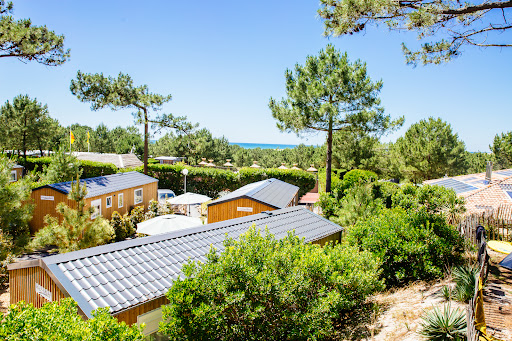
<point x="263" y="145"/>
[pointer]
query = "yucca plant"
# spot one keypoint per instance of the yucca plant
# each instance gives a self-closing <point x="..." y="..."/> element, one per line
<point x="443" y="324"/>
<point x="464" y="277"/>
<point x="446" y="293"/>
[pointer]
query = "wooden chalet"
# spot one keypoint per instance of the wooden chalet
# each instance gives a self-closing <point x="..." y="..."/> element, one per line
<point x="265" y="195"/>
<point x="133" y="276"/>
<point x="169" y="160"/>
<point x="16" y="173"/>
<point x="117" y="192"/>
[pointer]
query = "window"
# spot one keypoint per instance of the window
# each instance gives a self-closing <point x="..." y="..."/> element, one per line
<point x="109" y="202"/>
<point x="96" y="205"/>
<point x="120" y="200"/>
<point x="137" y="194"/>
<point x="14" y="176"/>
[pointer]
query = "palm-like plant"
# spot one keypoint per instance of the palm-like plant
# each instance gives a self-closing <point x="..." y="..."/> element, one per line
<point x="464" y="277"/>
<point x="443" y="324"/>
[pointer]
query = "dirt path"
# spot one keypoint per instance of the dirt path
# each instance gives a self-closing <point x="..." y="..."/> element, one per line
<point x="4" y="300"/>
<point x="403" y="309"/>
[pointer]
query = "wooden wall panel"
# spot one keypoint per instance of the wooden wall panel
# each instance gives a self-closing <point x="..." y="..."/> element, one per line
<point x="228" y="210"/>
<point x="19" y="173"/>
<point x="44" y="207"/>
<point x="22" y="286"/>
<point x="130" y="316"/>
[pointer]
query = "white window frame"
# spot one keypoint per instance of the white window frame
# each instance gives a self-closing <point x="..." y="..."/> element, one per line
<point x="120" y="198"/>
<point x="135" y="202"/>
<point x="13" y="172"/>
<point x="106" y="202"/>
<point x="95" y="203"/>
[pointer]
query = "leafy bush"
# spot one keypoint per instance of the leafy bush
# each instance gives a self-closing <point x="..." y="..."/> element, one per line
<point x="356" y="176"/>
<point x="62" y="167"/>
<point x="93" y="169"/>
<point x="6" y="256"/>
<point x="358" y="204"/>
<point x="60" y="321"/>
<point x="260" y="288"/>
<point x="77" y="230"/>
<point x="122" y="226"/>
<point x="212" y="181"/>
<point x="445" y="324"/>
<point x="412" y="245"/>
<point x="136" y="216"/>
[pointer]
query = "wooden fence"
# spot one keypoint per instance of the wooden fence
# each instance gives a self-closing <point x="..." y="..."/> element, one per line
<point x="497" y="224"/>
<point x="467" y="227"/>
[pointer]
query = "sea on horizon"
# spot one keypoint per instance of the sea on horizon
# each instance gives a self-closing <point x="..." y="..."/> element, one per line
<point x="263" y="145"/>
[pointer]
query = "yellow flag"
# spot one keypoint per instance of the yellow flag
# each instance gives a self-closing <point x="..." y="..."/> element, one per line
<point x="88" y="136"/>
<point x="71" y="137"/>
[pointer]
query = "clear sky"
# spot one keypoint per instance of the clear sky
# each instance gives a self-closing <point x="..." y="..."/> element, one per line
<point x="223" y="60"/>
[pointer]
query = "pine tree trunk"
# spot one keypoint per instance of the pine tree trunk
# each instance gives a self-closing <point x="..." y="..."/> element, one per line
<point x="329" y="159"/>
<point x="146" y="138"/>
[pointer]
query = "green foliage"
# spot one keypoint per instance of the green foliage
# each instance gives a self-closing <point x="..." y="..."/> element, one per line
<point x="477" y="162"/>
<point x="260" y="288"/>
<point x="62" y="167"/>
<point x="77" y="230"/>
<point x="502" y="149"/>
<point x="22" y="40"/>
<point x="356" y="176"/>
<point x="327" y="94"/>
<point x="7" y="255"/>
<point x="136" y="216"/>
<point x="91" y="169"/>
<point x="429" y="150"/>
<point x="59" y="321"/>
<point x="26" y="124"/>
<point x="412" y="245"/>
<point x="212" y="181"/>
<point x="122" y="225"/>
<point x="455" y="24"/>
<point x="358" y="204"/>
<point x="433" y="199"/>
<point x="465" y="280"/>
<point x="445" y="324"/>
<point x="15" y="208"/>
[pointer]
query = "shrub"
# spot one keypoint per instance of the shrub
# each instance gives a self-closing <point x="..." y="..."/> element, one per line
<point x="60" y="321"/>
<point x="356" y="176"/>
<point x="411" y="245"/>
<point x="445" y="324"/>
<point x="302" y="179"/>
<point x="260" y="288"/>
<point x="136" y="216"/>
<point x="122" y="226"/>
<point x="93" y="169"/>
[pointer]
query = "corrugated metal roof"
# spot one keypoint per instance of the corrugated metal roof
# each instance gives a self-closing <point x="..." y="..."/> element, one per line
<point x="272" y="192"/>
<point x="122" y="275"/>
<point x="106" y="184"/>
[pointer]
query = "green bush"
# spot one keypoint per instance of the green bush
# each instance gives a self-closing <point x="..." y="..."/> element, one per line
<point x="355" y="177"/>
<point x="93" y="169"/>
<point x="122" y="225"/>
<point x="260" y="288"/>
<point x="212" y="181"/>
<point x="59" y="321"/>
<point x="465" y="280"/>
<point x="412" y="245"/>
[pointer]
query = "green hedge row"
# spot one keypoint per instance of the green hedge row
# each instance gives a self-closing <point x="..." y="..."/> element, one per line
<point x="212" y="181"/>
<point x="90" y="169"/>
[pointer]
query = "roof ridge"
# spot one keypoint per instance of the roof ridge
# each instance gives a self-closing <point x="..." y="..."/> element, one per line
<point x="265" y="184"/>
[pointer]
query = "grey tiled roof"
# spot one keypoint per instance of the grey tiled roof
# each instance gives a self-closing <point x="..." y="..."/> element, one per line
<point x="129" y="273"/>
<point x="119" y="160"/>
<point x="106" y="184"/>
<point x="272" y="192"/>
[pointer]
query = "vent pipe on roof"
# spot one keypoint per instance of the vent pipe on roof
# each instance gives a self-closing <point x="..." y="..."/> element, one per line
<point x="488" y="171"/>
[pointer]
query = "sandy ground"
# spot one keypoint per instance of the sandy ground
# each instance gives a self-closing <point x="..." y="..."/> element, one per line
<point x="4" y="299"/>
<point x="403" y="309"/>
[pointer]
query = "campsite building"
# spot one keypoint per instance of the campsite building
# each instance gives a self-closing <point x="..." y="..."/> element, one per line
<point x="118" y="160"/>
<point x="132" y="277"/>
<point x="265" y="195"/>
<point x="169" y="160"/>
<point x="117" y="192"/>
<point x="16" y="173"/>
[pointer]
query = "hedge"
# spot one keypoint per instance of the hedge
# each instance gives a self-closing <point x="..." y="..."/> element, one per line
<point x="212" y="181"/>
<point x="90" y="169"/>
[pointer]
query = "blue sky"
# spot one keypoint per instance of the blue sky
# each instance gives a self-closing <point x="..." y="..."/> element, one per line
<point x="223" y="60"/>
